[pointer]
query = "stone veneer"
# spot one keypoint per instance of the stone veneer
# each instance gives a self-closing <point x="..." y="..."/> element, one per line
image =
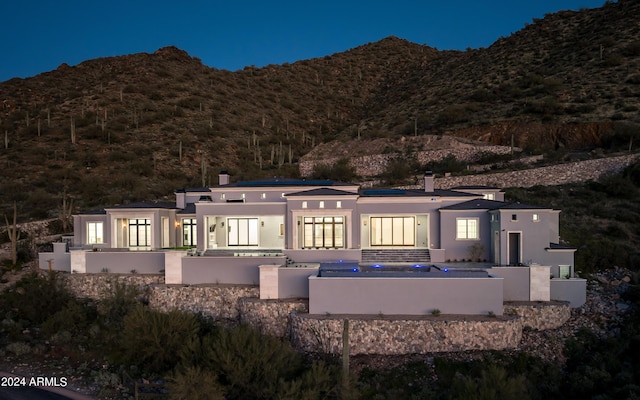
<point x="213" y="301"/>
<point x="271" y="316"/>
<point x="540" y="315"/>
<point x="559" y="174"/>
<point x="408" y="335"/>
<point x="376" y="164"/>
<point x="370" y="334"/>
<point x="97" y="286"/>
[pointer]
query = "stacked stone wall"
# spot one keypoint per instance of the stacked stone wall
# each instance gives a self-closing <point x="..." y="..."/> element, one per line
<point x="540" y="316"/>
<point x="559" y="174"/>
<point x="271" y="316"/>
<point x="313" y="333"/>
<point x="97" y="286"/>
<point x="213" y="301"/>
<point x="376" y="164"/>
<point x="405" y="336"/>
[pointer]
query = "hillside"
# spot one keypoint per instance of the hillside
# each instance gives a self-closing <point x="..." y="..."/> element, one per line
<point x="119" y="129"/>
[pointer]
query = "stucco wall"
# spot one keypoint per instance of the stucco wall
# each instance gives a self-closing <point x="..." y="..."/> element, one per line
<point x="410" y="296"/>
<point x="229" y="270"/>
<point x="573" y="290"/>
<point x="143" y="262"/>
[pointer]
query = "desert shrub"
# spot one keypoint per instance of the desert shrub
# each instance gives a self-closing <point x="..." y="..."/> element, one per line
<point x="75" y="318"/>
<point x="253" y="366"/>
<point x="35" y="298"/>
<point x="398" y="171"/>
<point x="452" y="114"/>
<point x="116" y="302"/>
<point x="448" y="164"/>
<point x="547" y="105"/>
<point x="340" y="171"/>
<point x="152" y="339"/>
<point x="493" y="382"/>
<point x="406" y="381"/>
<point x="195" y="383"/>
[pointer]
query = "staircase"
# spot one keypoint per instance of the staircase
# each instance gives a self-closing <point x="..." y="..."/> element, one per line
<point x="396" y="256"/>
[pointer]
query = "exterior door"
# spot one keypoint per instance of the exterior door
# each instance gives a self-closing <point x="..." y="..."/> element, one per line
<point x="514" y="248"/>
<point x="496" y="248"/>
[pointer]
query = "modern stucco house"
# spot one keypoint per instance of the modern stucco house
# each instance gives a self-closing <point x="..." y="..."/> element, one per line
<point x="316" y="220"/>
<point x="233" y="228"/>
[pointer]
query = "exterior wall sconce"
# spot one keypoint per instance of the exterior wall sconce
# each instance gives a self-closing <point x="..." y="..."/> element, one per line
<point x="364" y="222"/>
<point x="419" y="222"/>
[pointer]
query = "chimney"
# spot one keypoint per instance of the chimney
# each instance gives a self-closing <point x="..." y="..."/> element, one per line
<point x="428" y="181"/>
<point x="223" y="178"/>
<point x="181" y="198"/>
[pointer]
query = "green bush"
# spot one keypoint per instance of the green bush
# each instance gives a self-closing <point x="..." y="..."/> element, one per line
<point x="340" y="171"/>
<point x="153" y="340"/>
<point x="75" y="318"/>
<point x="493" y="382"/>
<point x="253" y="366"/>
<point x="448" y="164"/>
<point x="195" y="383"/>
<point x="35" y="298"/>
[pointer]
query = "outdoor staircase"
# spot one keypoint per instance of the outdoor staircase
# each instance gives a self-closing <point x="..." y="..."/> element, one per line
<point x="226" y="252"/>
<point x="396" y="256"/>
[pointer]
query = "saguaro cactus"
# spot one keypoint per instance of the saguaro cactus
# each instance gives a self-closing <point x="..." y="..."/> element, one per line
<point x="14" y="234"/>
<point x="66" y="210"/>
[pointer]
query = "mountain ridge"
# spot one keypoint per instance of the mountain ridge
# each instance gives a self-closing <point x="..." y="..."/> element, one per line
<point x="125" y="128"/>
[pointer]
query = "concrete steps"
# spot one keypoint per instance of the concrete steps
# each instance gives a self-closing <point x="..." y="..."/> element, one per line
<point x="396" y="256"/>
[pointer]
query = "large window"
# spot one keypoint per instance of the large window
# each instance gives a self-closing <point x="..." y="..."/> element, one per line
<point x="189" y="233"/>
<point x="392" y="231"/>
<point x="139" y="232"/>
<point x="467" y="228"/>
<point x="95" y="233"/>
<point x="323" y="232"/>
<point x="243" y="231"/>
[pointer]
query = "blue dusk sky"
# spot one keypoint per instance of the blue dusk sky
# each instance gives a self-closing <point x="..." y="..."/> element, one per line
<point x="38" y="36"/>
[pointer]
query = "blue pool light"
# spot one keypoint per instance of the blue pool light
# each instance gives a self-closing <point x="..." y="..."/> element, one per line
<point x="445" y="270"/>
<point x="377" y="266"/>
<point x="354" y="269"/>
<point x="418" y="266"/>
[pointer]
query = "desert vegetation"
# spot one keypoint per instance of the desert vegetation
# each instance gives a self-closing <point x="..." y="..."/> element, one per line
<point x="119" y="129"/>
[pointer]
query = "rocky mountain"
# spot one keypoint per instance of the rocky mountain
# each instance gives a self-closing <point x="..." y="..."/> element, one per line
<point x="119" y="129"/>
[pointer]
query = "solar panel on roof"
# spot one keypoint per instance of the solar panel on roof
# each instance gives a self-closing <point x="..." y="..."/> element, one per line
<point x="378" y="192"/>
<point x="325" y="182"/>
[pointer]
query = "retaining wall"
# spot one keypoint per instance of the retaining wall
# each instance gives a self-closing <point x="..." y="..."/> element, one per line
<point x="540" y="316"/>
<point x="372" y="334"/>
<point x="404" y="336"/>
<point x="376" y="164"/>
<point x="213" y="301"/>
<point x="559" y="174"/>
<point x="97" y="286"/>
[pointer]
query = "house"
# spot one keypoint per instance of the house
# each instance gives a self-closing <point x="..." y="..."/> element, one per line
<point x="232" y="228"/>
<point x="317" y="220"/>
